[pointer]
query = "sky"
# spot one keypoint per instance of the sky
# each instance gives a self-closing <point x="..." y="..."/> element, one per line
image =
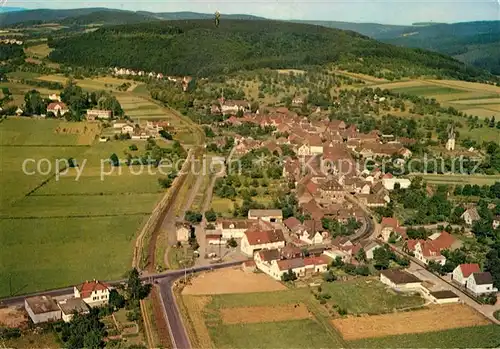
<point x="374" y="11"/>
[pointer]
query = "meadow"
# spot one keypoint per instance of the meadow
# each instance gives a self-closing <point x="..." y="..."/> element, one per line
<point x="70" y="229"/>
<point x="467" y="337"/>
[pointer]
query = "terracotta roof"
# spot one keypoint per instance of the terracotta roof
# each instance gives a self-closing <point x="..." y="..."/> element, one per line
<point x="88" y="287"/>
<point x="444" y="241"/>
<point x="331" y="185"/>
<point x="259" y="237"/>
<point x="286" y="264"/>
<point x="53" y="105"/>
<point x="400" y="277"/>
<point x="483" y="278"/>
<point x="291" y="223"/>
<point x="313" y="209"/>
<point x="313" y="226"/>
<point x="265" y="213"/>
<point x="321" y="260"/>
<point x="390" y="222"/>
<point x="269" y="255"/>
<point x="468" y="269"/>
<point x="291" y="251"/>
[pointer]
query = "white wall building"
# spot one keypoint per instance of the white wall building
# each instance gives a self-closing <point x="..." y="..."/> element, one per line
<point x="94" y="293"/>
<point x="42" y="309"/>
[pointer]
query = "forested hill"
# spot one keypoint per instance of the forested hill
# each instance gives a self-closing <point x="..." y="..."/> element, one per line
<point x="476" y="43"/>
<point x="199" y="48"/>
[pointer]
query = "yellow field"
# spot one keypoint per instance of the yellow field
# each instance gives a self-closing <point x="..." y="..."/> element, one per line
<point x="478" y="101"/>
<point x="482" y="112"/>
<point x="39" y="51"/>
<point x="471" y="86"/>
<point x="364" y="77"/>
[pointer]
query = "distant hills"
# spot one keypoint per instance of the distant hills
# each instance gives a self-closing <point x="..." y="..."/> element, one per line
<point x="475" y="43"/>
<point x="10" y="9"/>
<point x="197" y="47"/>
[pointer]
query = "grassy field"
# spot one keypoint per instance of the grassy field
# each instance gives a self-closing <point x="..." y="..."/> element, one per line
<point x="460" y="179"/>
<point x="39" y="51"/>
<point x="65" y="251"/>
<point x="469" y="337"/>
<point x="305" y="333"/>
<point x="427" y="90"/>
<point x="47" y="340"/>
<point x="70" y="229"/>
<point x="368" y="296"/>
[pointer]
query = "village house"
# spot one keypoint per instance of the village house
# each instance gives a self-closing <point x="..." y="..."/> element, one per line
<point x="70" y="307"/>
<point x="233" y="228"/>
<point x="270" y="262"/>
<point x="441" y="297"/>
<point x="470" y="216"/>
<point x="332" y="192"/>
<point x="95" y="293"/>
<point x="390" y="226"/>
<point x="232" y="107"/>
<point x="183" y="231"/>
<point x="55" y="97"/>
<point x="390" y="182"/>
<point x="256" y="240"/>
<point x="400" y="280"/>
<point x="57" y="108"/>
<point x="127" y="129"/>
<point x="462" y="272"/>
<point x="96" y="114"/>
<point x="480" y="283"/>
<point x="373" y="200"/>
<point x="313" y="146"/>
<point x="496" y="222"/>
<point x="271" y="215"/>
<point x="42" y="309"/>
<point x="369" y="247"/>
<point x="430" y="249"/>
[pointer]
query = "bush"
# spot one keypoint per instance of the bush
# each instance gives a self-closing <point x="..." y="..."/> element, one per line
<point x="342" y="311"/>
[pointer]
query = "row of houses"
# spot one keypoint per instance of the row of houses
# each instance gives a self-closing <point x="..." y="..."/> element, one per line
<point x="11" y="42"/>
<point x="130" y="72"/>
<point x="86" y="295"/>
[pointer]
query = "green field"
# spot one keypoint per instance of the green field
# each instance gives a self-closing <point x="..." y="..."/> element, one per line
<point x="460" y="179"/>
<point x="368" y="296"/>
<point x="40" y="254"/>
<point x="469" y="337"/>
<point x="69" y="229"/>
<point x="286" y="334"/>
<point x="427" y="90"/>
<point x="306" y="333"/>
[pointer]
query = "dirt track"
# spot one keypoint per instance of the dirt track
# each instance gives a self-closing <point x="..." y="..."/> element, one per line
<point x="247" y="315"/>
<point x="233" y="280"/>
<point x="436" y="318"/>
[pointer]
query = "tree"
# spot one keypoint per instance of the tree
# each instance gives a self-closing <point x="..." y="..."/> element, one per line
<point x="34" y="103"/>
<point x="329" y="276"/>
<point x="165" y="135"/>
<point x="381" y="258"/>
<point x="116" y="300"/>
<point x="84" y="331"/>
<point x="232" y="243"/>
<point x="193" y="217"/>
<point x="211" y="216"/>
<point x="135" y="289"/>
<point x="114" y="160"/>
<point x="289" y="276"/>
<point x="361" y="255"/>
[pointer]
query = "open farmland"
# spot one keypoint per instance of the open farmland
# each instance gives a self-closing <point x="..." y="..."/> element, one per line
<point x="231" y="281"/>
<point x="460" y="179"/>
<point x="368" y="296"/>
<point x="279" y="319"/>
<point x="466" y="337"/>
<point x="435" y="318"/>
<point x="75" y="227"/>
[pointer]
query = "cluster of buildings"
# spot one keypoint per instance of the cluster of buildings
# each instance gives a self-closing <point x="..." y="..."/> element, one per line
<point x="152" y="75"/>
<point x="138" y="131"/>
<point x="11" y="42"/>
<point x="85" y="296"/>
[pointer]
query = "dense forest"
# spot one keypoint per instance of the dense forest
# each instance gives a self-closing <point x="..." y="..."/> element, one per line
<point x="11" y="52"/>
<point x="199" y="48"/>
<point x="476" y="43"/>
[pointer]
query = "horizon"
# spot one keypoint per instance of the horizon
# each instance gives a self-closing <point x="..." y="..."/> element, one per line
<point x="375" y="12"/>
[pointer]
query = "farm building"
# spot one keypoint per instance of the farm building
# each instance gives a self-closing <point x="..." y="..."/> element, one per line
<point x="183" y="231"/>
<point x="72" y="306"/>
<point x="266" y="215"/>
<point x="93" y="114"/>
<point x="400" y="280"/>
<point x="42" y="309"/>
<point x="95" y="293"/>
<point x="256" y="240"/>
<point x="443" y="297"/>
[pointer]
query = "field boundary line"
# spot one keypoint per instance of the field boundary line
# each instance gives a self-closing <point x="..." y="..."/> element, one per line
<point x="147" y="324"/>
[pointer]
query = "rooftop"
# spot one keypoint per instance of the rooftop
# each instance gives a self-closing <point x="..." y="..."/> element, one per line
<point x="73" y="305"/>
<point x="445" y="294"/>
<point x="400" y="277"/>
<point x="42" y="304"/>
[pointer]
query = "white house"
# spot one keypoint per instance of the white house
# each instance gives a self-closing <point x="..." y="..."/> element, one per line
<point x="275" y="267"/>
<point x="480" y="283"/>
<point x="369" y="248"/>
<point x="57" y="108"/>
<point x="256" y="240"/>
<point x="127" y="129"/>
<point x="233" y="229"/>
<point x="463" y="271"/>
<point x="335" y="252"/>
<point x="183" y="231"/>
<point x="311" y="238"/>
<point x="94" y="293"/>
<point x="42" y="309"/>
<point x="400" y="280"/>
<point x="272" y="216"/>
<point x="70" y="307"/>
<point x="389" y="183"/>
<point x="93" y="114"/>
<point x="470" y="216"/>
